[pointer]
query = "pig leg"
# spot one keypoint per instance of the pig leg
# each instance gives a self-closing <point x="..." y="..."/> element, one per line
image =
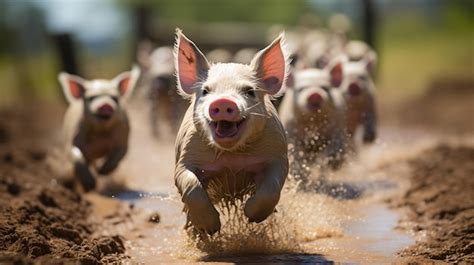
<point x="370" y="124"/>
<point x="81" y="169"/>
<point x="112" y="161"/>
<point x="335" y="150"/>
<point x="153" y="98"/>
<point x="200" y="211"/>
<point x="263" y="202"/>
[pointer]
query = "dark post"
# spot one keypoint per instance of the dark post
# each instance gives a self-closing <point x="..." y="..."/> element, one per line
<point x="67" y="54"/>
<point x="369" y="22"/>
<point x="141" y="15"/>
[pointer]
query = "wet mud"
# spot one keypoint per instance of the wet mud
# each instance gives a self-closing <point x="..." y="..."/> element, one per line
<point x="407" y="198"/>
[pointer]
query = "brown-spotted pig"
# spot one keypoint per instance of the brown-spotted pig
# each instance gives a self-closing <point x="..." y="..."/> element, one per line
<point x="358" y="91"/>
<point x="231" y="142"/>
<point x="95" y="124"/>
<point x="312" y="113"/>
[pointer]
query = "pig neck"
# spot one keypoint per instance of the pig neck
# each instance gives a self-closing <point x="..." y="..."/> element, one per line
<point x="104" y="128"/>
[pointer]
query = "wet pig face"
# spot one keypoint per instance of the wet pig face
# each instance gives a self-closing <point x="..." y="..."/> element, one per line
<point x="229" y="106"/>
<point x="311" y="87"/>
<point x="102" y="99"/>
<point x="229" y="98"/>
<point x="358" y="76"/>
<point x="357" y="80"/>
<point x="311" y="90"/>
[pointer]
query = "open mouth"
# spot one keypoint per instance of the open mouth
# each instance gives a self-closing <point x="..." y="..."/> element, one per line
<point x="226" y="131"/>
<point x="314" y="107"/>
<point x="103" y="116"/>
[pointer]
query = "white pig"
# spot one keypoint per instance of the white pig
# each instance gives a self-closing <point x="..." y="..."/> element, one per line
<point x="358" y="90"/>
<point x="231" y="142"/>
<point x="312" y="113"/>
<point x="158" y="89"/>
<point x="96" y="124"/>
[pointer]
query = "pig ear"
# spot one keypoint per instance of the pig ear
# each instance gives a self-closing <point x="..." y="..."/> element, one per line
<point x="126" y="81"/>
<point x="73" y="86"/>
<point x="371" y="62"/>
<point x="191" y="64"/>
<point x="272" y="66"/>
<point x="335" y="70"/>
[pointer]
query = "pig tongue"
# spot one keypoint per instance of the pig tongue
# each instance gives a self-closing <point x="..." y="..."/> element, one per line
<point x="226" y="128"/>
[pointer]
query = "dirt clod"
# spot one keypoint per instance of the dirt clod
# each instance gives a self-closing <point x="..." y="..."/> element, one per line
<point x="154" y="218"/>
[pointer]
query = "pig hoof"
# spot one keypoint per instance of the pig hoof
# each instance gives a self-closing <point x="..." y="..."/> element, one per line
<point x="88" y="183"/>
<point x="105" y="171"/>
<point x="85" y="177"/>
<point x="369" y="138"/>
<point x="258" y="211"/>
<point x="208" y="224"/>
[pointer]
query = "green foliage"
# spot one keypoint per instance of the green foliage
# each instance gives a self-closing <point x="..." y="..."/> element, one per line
<point x="258" y="11"/>
<point x="416" y="50"/>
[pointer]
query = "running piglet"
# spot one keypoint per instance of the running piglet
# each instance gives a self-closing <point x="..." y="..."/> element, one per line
<point x="231" y="144"/>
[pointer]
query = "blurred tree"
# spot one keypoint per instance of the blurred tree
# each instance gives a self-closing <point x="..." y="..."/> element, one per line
<point x="22" y="38"/>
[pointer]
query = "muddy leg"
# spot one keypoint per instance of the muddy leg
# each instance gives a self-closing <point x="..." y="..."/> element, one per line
<point x="201" y="212"/>
<point x="112" y="161"/>
<point x="153" y="97"/>
<point x="263" y="202"/>
<point x="335" y="151"/>
<point x="81" y="170"/>
<point x="370" y="124"/>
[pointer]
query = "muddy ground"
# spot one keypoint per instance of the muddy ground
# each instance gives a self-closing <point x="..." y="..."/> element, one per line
<point x="45" y="218"/>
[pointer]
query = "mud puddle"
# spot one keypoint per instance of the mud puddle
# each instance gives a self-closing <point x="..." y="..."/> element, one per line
<point x="344" y="231"/>
<point x="308" y="227"/>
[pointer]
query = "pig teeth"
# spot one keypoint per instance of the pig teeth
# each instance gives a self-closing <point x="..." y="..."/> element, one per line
<point x="225" y="129"/>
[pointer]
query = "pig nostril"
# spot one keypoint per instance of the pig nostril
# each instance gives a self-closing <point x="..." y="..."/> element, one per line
<point x="229" y="110"/>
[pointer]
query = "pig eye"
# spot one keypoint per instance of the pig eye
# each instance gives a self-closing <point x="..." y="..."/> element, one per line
<point x="249" y="91"/>
<point x="91" y="98"/>
<point x="115" y="99"/>
<point x="205" y="91"/>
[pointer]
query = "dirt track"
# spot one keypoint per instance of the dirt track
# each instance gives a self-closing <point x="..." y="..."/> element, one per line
<point x="44" y="218"/>
<point x="440" y="204"/>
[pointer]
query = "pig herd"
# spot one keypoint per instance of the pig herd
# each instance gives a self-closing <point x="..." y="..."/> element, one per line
<point x="273" y="114"/>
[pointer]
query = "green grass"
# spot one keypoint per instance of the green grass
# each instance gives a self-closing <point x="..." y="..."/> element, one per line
<point x="414" y="52"/>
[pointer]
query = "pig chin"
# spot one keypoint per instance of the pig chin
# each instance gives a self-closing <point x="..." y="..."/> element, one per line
<point x="227" y="134"/>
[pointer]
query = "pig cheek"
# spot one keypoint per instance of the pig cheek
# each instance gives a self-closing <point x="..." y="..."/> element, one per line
<point x="255" y="124"/>
<point x="201" y="119"/>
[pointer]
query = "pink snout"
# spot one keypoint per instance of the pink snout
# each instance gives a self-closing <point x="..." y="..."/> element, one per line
<point x="105" y="110"/>
<point x="354" y="89"/>
<point x="315" y="101"/>
<point x="224" y="110"/>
